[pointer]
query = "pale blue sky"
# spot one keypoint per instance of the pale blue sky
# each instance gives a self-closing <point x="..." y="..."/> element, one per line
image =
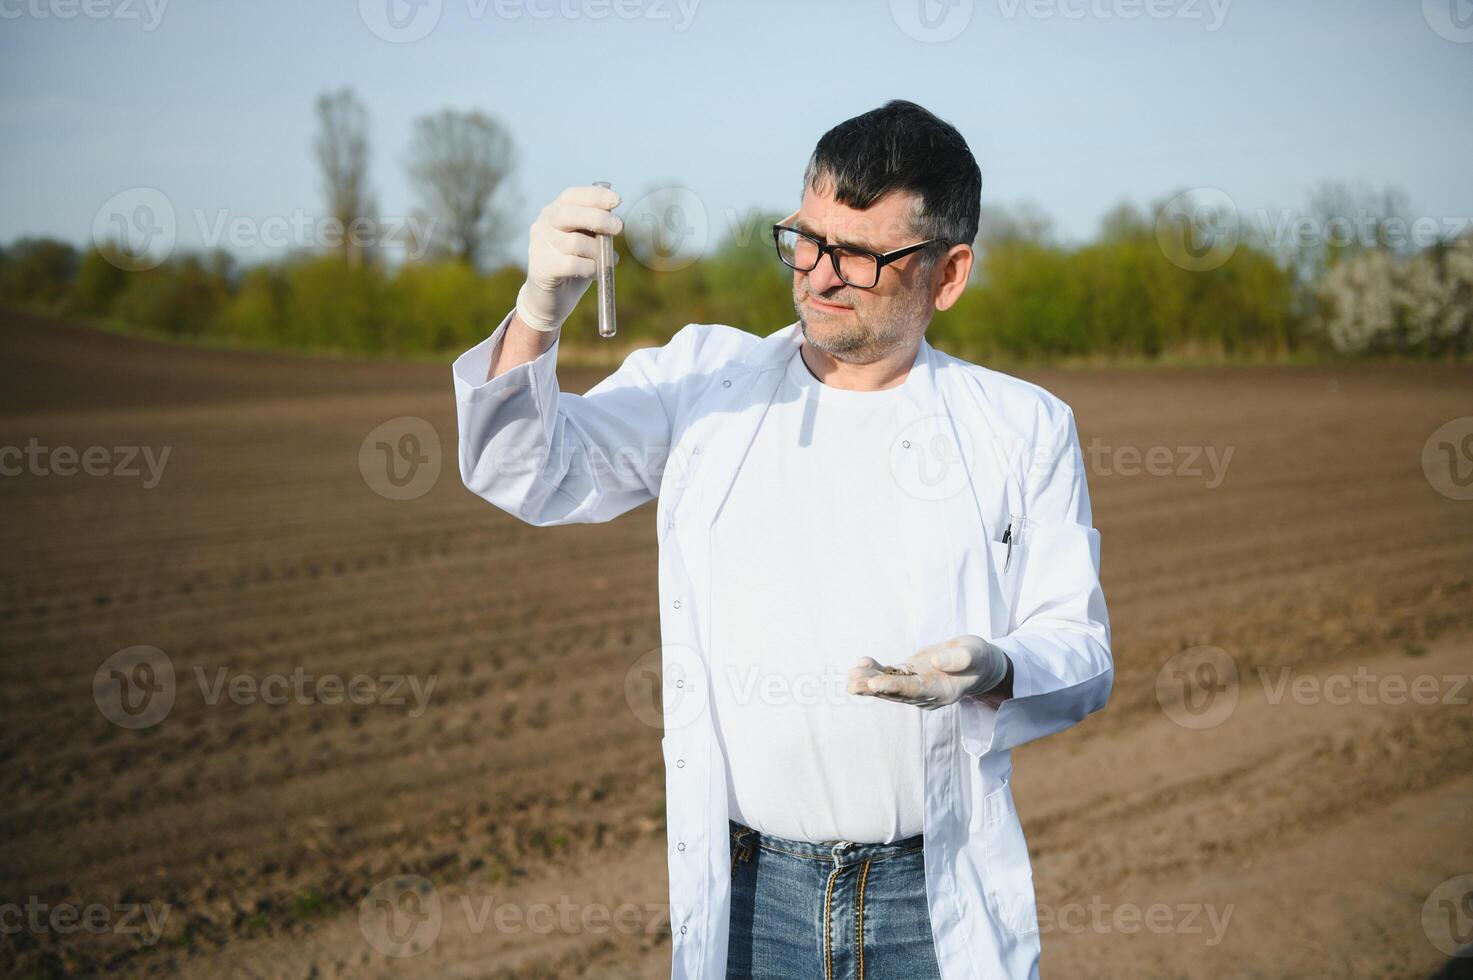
<point x="1066" y="103"/>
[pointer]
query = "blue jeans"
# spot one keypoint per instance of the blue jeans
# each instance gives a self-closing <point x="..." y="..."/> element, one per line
<point x="831" y="911"/>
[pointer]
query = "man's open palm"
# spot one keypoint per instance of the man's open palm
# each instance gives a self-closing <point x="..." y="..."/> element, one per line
<point x="941" y="674"/>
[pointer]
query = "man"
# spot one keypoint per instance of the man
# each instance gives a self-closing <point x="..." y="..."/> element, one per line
<point x="835" y="500"/>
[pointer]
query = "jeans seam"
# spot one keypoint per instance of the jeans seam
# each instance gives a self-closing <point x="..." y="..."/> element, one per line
<point x="859" y="920"/>
<point x="828" y="955"/>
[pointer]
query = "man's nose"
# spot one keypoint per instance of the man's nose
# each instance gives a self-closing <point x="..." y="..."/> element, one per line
<point x="822" y="277"/>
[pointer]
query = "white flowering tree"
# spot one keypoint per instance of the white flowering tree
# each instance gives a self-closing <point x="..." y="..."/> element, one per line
<point x="1376" y="303"/>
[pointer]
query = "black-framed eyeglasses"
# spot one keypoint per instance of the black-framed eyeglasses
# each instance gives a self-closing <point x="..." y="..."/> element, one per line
<point x="859" y="267"/>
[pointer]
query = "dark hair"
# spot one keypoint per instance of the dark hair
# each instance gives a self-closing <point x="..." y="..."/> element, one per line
<point x="902" y="146"/>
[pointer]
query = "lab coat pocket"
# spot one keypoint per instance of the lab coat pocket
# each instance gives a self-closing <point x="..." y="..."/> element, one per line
<point x="1009" y="888"/>
<point x="1000" y="559"/>
<point x="1007" y="561"/>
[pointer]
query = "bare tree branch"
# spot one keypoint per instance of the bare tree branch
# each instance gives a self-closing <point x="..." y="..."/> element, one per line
<point x="342" y="152"/>
<point x="458" y="161"/>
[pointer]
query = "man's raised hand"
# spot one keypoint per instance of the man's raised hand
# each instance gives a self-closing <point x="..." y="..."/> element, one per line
<point x="561" y="250"/>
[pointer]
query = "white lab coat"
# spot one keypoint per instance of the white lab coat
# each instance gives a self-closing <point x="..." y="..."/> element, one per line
<point x="982" y="452"/>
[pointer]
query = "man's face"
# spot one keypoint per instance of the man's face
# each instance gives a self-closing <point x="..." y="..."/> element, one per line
<point x="847" y="322"/>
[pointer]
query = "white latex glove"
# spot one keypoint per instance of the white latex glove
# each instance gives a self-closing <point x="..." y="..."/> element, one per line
<point x="561" y="253"/>
<point x="967" y="666"/>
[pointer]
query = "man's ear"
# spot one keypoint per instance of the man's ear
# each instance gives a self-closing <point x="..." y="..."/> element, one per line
<point x="952" y="272"/>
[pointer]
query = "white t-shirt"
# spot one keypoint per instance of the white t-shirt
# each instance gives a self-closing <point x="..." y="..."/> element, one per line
<point x="808" y="760"/>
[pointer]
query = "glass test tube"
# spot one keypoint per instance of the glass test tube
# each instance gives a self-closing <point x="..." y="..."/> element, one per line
<point x="605" y="276"/>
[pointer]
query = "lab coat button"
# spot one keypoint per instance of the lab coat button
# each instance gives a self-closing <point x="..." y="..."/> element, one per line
<point x="679" y="763"/>
<point x="682" y="930"/>
<point x="680" y="846"/>
<point x="726" y="384"/>
<point x="677" y="603"/>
